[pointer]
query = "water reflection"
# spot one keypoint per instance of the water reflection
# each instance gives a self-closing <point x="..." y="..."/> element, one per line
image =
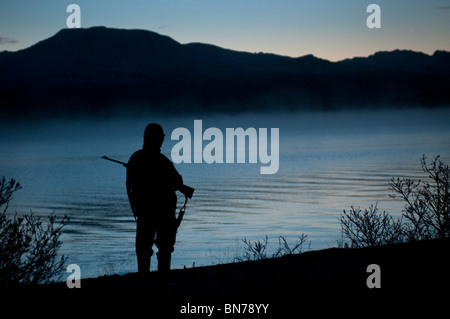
<point x="328" y="162"/>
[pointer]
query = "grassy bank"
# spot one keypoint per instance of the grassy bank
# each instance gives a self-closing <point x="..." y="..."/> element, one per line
<point x="403" y="267"/>
<point x="411" y="274"/>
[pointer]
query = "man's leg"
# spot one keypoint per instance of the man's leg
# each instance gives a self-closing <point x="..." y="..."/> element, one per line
<point x="144" y="242"/>
<point x="165" y="241"/>
<point x="164" y="258"/>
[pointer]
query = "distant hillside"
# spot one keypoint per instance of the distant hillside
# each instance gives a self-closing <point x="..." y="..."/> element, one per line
<point x="100" y="70"/>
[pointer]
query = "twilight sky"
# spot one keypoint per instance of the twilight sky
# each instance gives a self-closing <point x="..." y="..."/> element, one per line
<point x="330" y="29"/>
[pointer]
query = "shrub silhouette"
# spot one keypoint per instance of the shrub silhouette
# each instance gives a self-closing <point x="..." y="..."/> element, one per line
<point x="426" y="213"/>
<point x="28" y="247"/>
<point x="257" y="250"/>
<point x="371" y="228"/>
<point x="427" y="207"/>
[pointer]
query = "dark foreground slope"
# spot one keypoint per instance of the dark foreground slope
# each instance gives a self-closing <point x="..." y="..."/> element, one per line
<point x="413" y="266"/>
<point x="413" y="272"/>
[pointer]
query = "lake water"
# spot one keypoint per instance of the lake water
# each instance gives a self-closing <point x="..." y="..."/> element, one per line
<point x="328" y="162"/>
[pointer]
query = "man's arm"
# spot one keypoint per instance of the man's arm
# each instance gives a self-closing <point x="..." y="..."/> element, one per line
<point x="131" y="198"/>
<point x="176" y="179"/>
<point x="130" y="190"/>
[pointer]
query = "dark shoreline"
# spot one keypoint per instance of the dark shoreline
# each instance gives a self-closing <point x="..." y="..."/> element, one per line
<point x="409" y="266"/>
<point x="413" y="276"/>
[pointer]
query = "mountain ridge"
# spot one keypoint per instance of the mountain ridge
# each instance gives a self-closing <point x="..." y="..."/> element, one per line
<point x="89" y="70"/>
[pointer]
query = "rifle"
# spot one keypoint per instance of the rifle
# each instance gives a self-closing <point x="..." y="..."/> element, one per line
<point x="187" y="191"/>
<point x="115" y="161"/>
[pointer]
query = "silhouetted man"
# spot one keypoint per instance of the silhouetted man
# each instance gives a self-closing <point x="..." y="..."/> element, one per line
<point x="151" y="184"/>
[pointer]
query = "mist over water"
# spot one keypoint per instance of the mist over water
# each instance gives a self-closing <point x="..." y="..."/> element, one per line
<point x="328" y="162"/>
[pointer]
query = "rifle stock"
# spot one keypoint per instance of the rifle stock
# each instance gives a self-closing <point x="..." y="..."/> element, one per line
<point x="187" y="191"/>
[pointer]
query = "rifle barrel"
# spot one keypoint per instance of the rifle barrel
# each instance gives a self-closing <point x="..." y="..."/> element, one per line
<point x="113" y="160"/>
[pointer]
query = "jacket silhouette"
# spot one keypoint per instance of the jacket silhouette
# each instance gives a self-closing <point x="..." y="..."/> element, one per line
<point x="151" y="184"/>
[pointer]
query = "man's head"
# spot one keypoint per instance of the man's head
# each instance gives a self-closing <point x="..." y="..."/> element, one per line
<point x="153" y="136"/>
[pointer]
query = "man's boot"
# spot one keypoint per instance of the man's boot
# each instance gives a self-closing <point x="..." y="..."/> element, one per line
<point x="143" y="264"/>
<point x="164" y="264"/>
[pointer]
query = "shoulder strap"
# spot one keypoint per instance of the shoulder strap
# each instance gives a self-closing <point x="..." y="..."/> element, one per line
<point x="181" y="213"/>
